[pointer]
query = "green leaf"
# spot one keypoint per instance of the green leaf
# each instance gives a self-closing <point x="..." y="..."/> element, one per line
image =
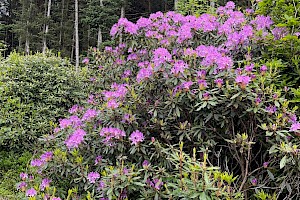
<point x="283" y="162"/>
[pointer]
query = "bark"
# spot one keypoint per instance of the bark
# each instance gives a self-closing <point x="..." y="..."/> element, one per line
<point x="46" y="27"/>
<point x="100" y="37"/>
<point x="61" y="22"/>
<point x="76" y="37"/>
<point x="175" y="5"/>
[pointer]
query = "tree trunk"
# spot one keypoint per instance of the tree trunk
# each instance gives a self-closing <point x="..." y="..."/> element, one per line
<point x="61" y="22"/>
<point x="76" y="37"/>
<point x="47" y="27"/>
<point x="27" y="50"/>
<point x="175" y="5"/>
<point x="100" y="38"/>
<point x="123" y="11"/>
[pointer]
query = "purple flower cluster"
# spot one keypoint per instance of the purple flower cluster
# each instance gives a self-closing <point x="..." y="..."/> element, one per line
<point x="75" y="139"/>
<point x="179" y="67"/>
<point x="295" y="127"/>
<point x="89" y="114"/>
<point x="93" y="176"/>
<point x="45" y="183"/>
<point x="111" y="133"/>
<point x="155" y="183"/>
<point x="31" y="192"/>
<point x="243" y="80"/>
<point x="136" y="137"/>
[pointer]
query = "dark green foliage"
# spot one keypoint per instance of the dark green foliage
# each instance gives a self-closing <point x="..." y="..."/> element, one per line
<point x="285" y="13"/>
<point x="11" y="165"/>
<point x="35" y="92"/>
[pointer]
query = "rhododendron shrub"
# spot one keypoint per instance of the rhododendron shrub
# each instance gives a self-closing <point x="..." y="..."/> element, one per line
<point x="171" y="79"/>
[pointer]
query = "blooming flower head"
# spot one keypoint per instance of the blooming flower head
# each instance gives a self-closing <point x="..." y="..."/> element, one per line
<point x="179" y="67"/>
<point x="37" y="163"/>
<point x="263" y="69"/>
<point x="262" y="22"/>
<point x="93" y="176"/>
<point x="202" y="84"/>
<point x="45" y="183"/>
<point x="206" y="96"/>
<point x="219" y="82"/>
<point x="295" y="127"/>
<point x="144" y="73"/>
<point x="186" y="85"/>
<point x="257" y="101"/>
<point x="160" y="56"/>
<point x="86" y="61"/>
<point x="23" y="176"/>
<point x="98" y="160"/>
<point x="75" y="139"/>
<point x="136" y="137"/>
<point x="271" y="109"/>
<point x="201" y="74"/>
<point x="55" y="198"/>
<point x="254" y="182"/>
<point x="146" y="164"/>
<point x="47" y="156"/>
<point x="265" y="164"/>
<point x="230" y="5"/>
<point x="22" y="186"/>
<point x="249" y="68"/>
<point x="111" y="133"/>
<point x="113" y="104"/>
<point x="89" y="114"/>
<point x="243" y="80"/>
<point x="31" y="192"/>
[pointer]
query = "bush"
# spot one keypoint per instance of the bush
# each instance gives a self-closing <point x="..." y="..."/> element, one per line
<point x="286" y="44"/>
<point x="11" y="165"/>
<point x="197" y="82"/>
<point x="35" y="92"/>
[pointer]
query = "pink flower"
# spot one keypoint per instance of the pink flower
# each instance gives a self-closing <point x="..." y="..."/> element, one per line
<point x="187" y="85"/>
<point x="219" y="82"/>
<point x="98" y="160"/>
<point x="179" y="67"/>
<point x="75" y="139"/>
<point x="37" y="163"/>
<point x="31" y="192"/>
<point x="295" y="127"/>
<point x="93" y="176"/>
<point x="243" y="80"/>
<point x="55" y="198"/>
<point x="23" y="176"/>
<point x="47" y="156"/>
<point x="22" y="186"/>
<point x="89" y="114"/>
<point x="144" y="73"/>
<point x="86" y="61"/>
<point x="136" y="137"/>
<point x="160" y="56"/>
<point x="113" y="104"/>
<point x="45" y="183"/>
<point x="202" y="84"/>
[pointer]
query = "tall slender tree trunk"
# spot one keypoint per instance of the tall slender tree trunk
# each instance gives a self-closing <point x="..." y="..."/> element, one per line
<point x="123" y="11"/>
<point x="61" y="22"/>
<point x="122" y="16"/>
<point x="47" y="27"/>
<point x="27" y="49"/>
<point x="100" y="37"/>
<point x="76" y="37"/>
<point x="175" y="5"/>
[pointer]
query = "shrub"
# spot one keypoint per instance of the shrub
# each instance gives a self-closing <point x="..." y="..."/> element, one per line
<point x="285" y="44"/>
<point x="35" y="91"/>
<point x="178" y="79"/>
